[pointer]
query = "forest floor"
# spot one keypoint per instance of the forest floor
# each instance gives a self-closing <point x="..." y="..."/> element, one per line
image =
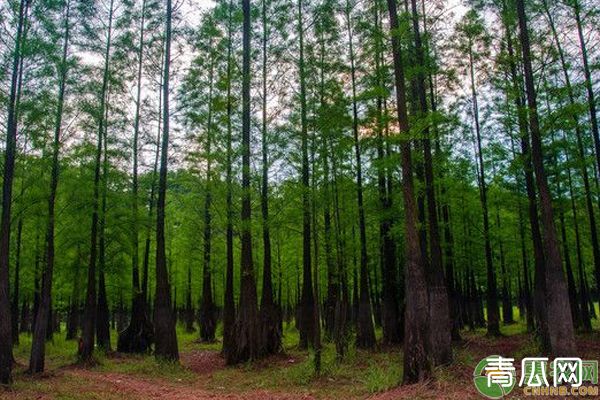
<point x="203" y="374"/>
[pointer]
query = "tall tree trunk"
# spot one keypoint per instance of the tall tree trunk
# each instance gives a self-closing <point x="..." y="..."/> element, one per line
<point x="151" y="205"/>
<point x="583" y="290"/>
<point x="307" y="303"/>
<point x="137" y="337"/>
<point x="589" y="86"/>
<point x="365" y="333"/>
<point x="208" y="312"/>
<point x="342" y="307"/>
<point x="229" y="302"/>
<point x="86" y="346"/>
<point x="440" y="339"/>
<point x="102" y="313"/>
<point x="578" y="132"/>
<point x="164" y="322"/>
<point x="560" y="332"/>
<point x="6" y="356"/>
<point x="416" y="364"/>
<point x="247" y="328"/>
<point x="537" y="305"/>
<point x="493" y="315"/>
<point x="525" y="292"/>
<point x="390" y="318"/>
<point x="507" y="310"/>
<point x="270" y="315"/>
<point x="38" y="343"/>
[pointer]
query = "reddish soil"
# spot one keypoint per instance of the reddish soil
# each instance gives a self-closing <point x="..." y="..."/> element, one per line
<point x="453" y="382"/>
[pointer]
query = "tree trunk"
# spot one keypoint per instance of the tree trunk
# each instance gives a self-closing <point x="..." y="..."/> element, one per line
<point x="164" y="322"/>
<point x="578" y="133"/>
<point x="102" y="313"/>
<point x="307" y="303"/>
<point x="416" y="364"/>
<point x="247" y="323"/>
<point x="560" y="331"/>
<point x="270" y="314"/>
<point x="86" y="347"/>
<point x="137" y="337"/>
<point x="38" y="342"/>
<point x="493" y="315"/>
<point x="208" y="312"/>
<point x="229" y="302"/>
<point x="14" y="310"/>
<point x="440" y="339"/>
<point x="6" y="356"/>
<point x="583" y="290"/>
<point x="365" y="333"/>
<point x="537" y="306"/>
<point x="390" y="318"/>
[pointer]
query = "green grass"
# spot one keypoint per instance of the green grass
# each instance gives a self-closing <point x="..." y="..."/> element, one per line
<point x="359" y="375"/>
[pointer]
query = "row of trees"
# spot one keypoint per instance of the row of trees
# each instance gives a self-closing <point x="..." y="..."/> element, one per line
<point x="427" y="166"/>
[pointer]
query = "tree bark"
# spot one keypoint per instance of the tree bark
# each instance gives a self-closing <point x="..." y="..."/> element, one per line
<point x="86" y="346"/>
<point x="365" y="333"/>
<point x="560" y="333"/>
<point x="307" y="302"/>
<point x="38" y="342"/>
<point x="137" y="337"/>
<point x="164" y="322"/>
<point x="270" y="314"/>
<point x="6" y="356"/>
<point x="493" y="315"/>
<point x="247" y="328"/>
<point x="229" y="302"/>
<point x="440" y="339"/>
<point x="416" y="364"/>
<point x="208" y="312"/>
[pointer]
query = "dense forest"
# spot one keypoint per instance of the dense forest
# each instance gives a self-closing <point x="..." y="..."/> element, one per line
<point x="354" y="174"/>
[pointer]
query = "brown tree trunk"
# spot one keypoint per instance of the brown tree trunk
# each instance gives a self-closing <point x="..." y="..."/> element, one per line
<point x="247" y="323"/>
<point x="493" y="315"/>
<point x="166" y="347"/>
<point x="137" y="337"/>
<point x="365" y="333"/>
<point x="270" y="314"/>
<point x="307" y="303"/>
<point x="86" y="347"/>
<point x="102" y="313"/>
<point x="560" y="333"/>
<point x="229" y="302"/>
<point x="390" y="318"/>
<point x="208" y="312"/>
<point x="416" y="364"/>
<point x="440" y="339"/>
<point x="38" y="342"/>
<point x="6" y="356"/>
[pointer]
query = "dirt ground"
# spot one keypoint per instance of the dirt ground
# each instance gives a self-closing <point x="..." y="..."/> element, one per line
<point x="205" y="376"/>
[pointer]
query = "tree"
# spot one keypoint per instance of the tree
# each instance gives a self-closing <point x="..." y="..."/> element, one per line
<point x="268" y="309"/>
<point x="86" y="347"/>
<point x="306" y="323"/>
<point x="137" y="337"/>
<point x="559" y="333"/>
<point x="474" y="34"/>
<point x="38" y="343"/>
<point x="248" y="344"/>
<point x="166" y="347"/>
<point x="6" y="357"/>
<point x="439" y="312"/>
<point x="416" y="364"/>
